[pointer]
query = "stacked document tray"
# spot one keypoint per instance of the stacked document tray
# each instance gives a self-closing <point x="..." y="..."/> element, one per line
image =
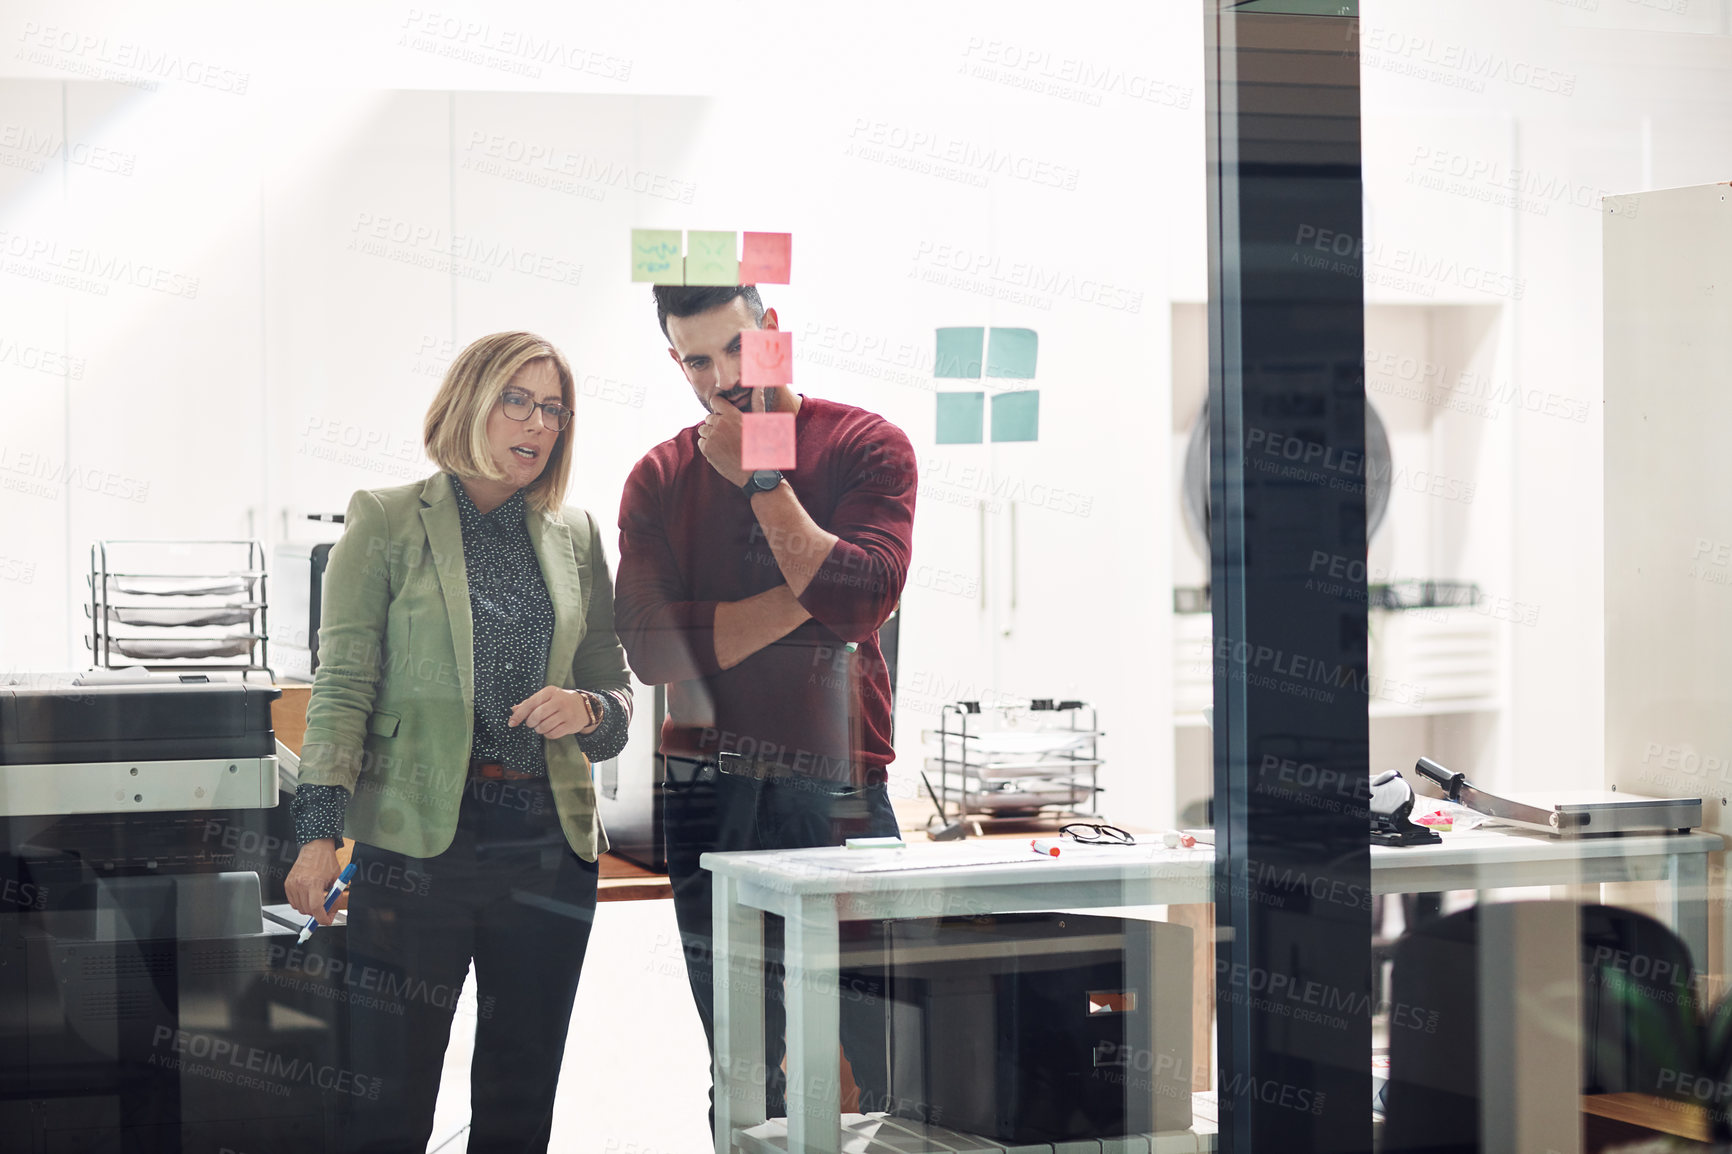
<point x="178" y="605"/>
<point x="1015" y="761"/>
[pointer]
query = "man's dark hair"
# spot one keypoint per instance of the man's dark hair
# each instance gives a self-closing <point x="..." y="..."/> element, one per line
<point x="674" y="300"/>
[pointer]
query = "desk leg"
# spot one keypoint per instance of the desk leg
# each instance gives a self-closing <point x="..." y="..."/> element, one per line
<point x="1688" y="906"/>
<point x="813" y="959"/>
<point x="738" y="960"/>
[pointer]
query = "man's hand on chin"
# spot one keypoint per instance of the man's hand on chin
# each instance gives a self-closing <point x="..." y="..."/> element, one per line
<point x="719" y="440"/>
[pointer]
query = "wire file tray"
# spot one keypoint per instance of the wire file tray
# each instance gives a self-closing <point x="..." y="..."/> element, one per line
<point x="179" y="605"/>
<point x="1035" y="759"/>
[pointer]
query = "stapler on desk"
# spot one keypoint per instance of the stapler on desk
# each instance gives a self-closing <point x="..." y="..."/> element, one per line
<point x="1391" y="813"/>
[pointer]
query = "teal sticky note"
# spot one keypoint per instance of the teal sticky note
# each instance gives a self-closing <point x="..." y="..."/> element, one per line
<point x="655" y="256"/>
<point x="1010" y="353"/>
<point x="961" y="418"/>
<point x="1016" y="416"/>
<point x="959" y="353"/>
<point x="712" y="258"/>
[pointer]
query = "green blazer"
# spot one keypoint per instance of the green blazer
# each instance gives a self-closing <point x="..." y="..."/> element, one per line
<point x="392" y="712"/>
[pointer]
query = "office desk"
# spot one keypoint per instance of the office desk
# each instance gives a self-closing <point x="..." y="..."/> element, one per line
<point x="814" y="889"/>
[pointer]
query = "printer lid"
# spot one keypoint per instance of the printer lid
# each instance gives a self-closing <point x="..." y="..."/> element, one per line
<point x="45" y="719"/>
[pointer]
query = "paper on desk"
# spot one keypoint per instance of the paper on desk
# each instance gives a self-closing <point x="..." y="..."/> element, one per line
<point x="1022" y="743"/>
<point x="964" y="855"/>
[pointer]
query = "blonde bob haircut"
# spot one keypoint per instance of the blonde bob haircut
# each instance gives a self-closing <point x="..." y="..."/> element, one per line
<point x="455" y="431"/>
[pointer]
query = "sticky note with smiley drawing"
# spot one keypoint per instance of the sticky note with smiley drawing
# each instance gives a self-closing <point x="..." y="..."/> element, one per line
<point x="767" y="259"/>
<point x="766" y="358"/>
<point x="767" y="440"/>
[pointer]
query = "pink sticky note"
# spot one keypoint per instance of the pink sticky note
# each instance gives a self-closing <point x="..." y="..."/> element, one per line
<point x="768" y="258"/>
<point x="767" y="440"/>
<point x="766" y="358"/>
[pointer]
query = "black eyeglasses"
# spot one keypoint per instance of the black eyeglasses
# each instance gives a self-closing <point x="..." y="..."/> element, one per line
<point x="518" y="406"/>
<point x="1089" y="831"/>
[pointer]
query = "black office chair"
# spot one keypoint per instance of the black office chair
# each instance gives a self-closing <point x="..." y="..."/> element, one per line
<point x="1640" y="1026"/>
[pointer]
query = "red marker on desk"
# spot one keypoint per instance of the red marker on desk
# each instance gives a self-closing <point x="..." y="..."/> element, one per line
<point x="1046" y="847"/>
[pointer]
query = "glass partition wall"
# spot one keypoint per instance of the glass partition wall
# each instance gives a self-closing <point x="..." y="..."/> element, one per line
<point x="1289" y="697"/>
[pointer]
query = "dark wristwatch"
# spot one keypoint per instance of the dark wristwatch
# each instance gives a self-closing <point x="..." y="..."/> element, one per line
<point x="762" y="481"/>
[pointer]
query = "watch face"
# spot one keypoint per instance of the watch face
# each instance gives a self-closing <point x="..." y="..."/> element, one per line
<point x="766" y="479"/>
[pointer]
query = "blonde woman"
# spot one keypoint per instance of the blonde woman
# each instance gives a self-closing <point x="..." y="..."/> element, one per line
<point x="469" y="675"/>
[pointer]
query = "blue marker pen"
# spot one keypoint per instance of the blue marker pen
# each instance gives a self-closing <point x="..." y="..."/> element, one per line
<point x="337" y="887"/>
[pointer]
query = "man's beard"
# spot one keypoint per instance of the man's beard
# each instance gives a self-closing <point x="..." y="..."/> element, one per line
<point x="740" y="398"/>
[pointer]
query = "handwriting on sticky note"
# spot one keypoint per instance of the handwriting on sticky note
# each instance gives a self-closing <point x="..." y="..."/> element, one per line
<point x="710" y="258"/>
<point x="766" y="358"/>
<point x="768" y="258"/>
<point x="655" y="256"/>
<point x="767" y="441"/>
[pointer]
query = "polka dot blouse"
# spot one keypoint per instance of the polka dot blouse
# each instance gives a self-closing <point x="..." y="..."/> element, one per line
<point x="512" y="616"/>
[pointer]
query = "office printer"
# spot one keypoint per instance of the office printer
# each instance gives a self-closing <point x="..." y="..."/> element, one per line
<point x="136" y="826"/>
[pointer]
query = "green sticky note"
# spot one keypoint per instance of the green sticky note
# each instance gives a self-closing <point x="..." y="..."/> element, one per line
<point x="961" y="418"/>
<point x="1016" y="416"/>
<point x="959" y="353"/>
<point x="655" y="256"/>
<point x="1010" y="353"/>
<point x="712" y="258"/>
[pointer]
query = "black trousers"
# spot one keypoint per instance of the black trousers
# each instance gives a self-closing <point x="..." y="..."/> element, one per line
<point x="509" y="894"/>
<point x="705" y="811"/>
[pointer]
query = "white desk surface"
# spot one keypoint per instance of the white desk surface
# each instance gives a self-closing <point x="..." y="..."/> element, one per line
<point x="878" y="1134"/>
<point x="1010" y="862"/>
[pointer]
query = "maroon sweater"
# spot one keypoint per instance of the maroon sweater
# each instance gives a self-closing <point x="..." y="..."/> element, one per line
<point x="688" y="539"/>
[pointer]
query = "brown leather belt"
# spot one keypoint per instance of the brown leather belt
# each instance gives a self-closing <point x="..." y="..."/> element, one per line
<point x="494" y="771"/>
